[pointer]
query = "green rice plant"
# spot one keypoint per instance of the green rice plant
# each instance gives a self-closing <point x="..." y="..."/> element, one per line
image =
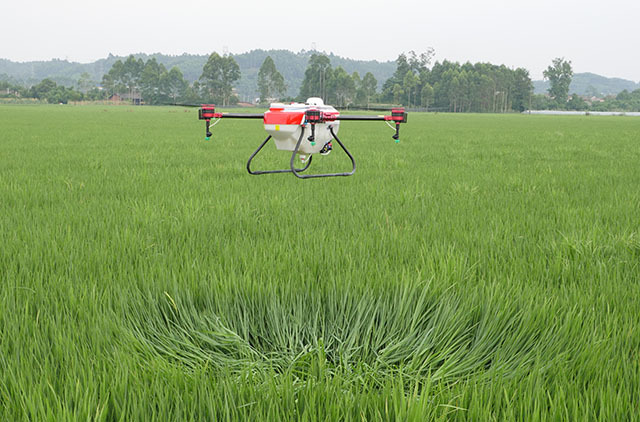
<point x="485" y="268"/>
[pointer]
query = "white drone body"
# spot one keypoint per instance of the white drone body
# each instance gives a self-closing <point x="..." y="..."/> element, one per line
<point x="285" y="122"/>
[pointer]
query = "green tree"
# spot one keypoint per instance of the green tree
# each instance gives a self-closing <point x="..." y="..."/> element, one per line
<point x="193" y="94"/>
<point x="85" y="83"/>
<point x="360" y="97"/>
<point x="523" y="89"/>
<point x="151" y="80"/>
<point x="43" y="89"/>
<point x="131" y="73"/>
<point x="369" y="86"/>
<point x="480" y="87"/>
<point x="559" y="74"/>
<point x="576" y="103"/>
<point x="9" y="90"/>
<point x="110" y="79"/>
<point x="344" y="89"/>
<point x="541" y="102"/>
<point x="410" y="82"/>
<point x="124" y="78"/>
<point x="109" y="82"/>
<point x="416" y="63"/>
<point x="218" y="76"/>
<point x="420" y="62"/>
<point x="270" y="81"/>
<point x="426" y="95"/>
<point x="398" y="93"/>
<point x="317" y="78"/>
<point x="455" y="93"/>
<point x="175" y="84"/>
<point x="152" y="83"/>
<point x="53" y="93"/>
<point x="389" y="87"/>
<point x="96" y="94"/>
<point x="623" y="95"/>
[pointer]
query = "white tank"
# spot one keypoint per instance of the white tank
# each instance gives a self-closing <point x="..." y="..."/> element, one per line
<point x="284" y="123"/>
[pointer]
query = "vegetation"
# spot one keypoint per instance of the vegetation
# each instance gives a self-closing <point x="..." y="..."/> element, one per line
<point x="486" y="268"/>
<point x="449" y="86"/>
<point x="291" y="65"/>
<point x="559" y="74"/>
<point x="270" y="81"/>
<point x="318" y="78"/>
<point x="150" y="81"/>
<point x="217" y="79"/>
<point x="49" y="91"/>
<point x="416" y="82"/>
<point x="591" y="85"/>
<point x="623" y="101"/>
<point x="10" y="89"/>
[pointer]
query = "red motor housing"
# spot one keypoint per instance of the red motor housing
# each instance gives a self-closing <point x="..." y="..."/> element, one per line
<point x="207" y="112"/>
<point x="398" y="115"/>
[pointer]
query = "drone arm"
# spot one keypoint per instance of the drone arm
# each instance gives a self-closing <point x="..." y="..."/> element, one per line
<point x="361" y="118"/>
<point x="398" y="115"/>
<point x="208" y="112"/>
<point x="240" y="116"/>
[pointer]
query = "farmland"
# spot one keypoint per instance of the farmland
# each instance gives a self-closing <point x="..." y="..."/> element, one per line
<point x="485" y="268"/>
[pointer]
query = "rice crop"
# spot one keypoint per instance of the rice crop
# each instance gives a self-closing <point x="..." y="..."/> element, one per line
<point x="485" y="268"/>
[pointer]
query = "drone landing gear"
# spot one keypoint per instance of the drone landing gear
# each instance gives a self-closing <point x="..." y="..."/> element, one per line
<point x="296" y="171"/>
<point x="255" y="172"/>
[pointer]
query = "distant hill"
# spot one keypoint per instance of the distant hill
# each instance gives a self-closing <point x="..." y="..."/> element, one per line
<point x="590" y="84"/>
<point x="291" y="65"/>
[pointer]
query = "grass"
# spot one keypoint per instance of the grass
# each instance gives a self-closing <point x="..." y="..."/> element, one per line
<point x="486" y="268"/>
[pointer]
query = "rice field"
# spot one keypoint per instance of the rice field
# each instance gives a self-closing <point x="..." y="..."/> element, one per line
<point x="487" y="267"/>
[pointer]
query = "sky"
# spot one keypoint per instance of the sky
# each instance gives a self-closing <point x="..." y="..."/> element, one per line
<point x="598" y="36"/>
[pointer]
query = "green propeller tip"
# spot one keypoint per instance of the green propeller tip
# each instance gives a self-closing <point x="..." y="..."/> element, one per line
<point x="313" y="144"/>
<point x="208" y="138"/>
<point x="397" y="141"/>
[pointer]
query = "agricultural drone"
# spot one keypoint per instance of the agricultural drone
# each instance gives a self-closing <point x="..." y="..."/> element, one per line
<point x="287" y="125"/>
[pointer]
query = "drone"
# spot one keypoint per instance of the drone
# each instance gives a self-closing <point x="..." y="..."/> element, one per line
<point x="287" y="124"/>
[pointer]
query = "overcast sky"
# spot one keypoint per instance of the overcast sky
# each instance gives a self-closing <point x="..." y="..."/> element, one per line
<point x="599" y="36"/>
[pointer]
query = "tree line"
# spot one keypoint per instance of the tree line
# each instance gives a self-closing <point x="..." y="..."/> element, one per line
<point x="49" y="91"/>
<point x="445" y="86"/>
<point x="416" y="82"/>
